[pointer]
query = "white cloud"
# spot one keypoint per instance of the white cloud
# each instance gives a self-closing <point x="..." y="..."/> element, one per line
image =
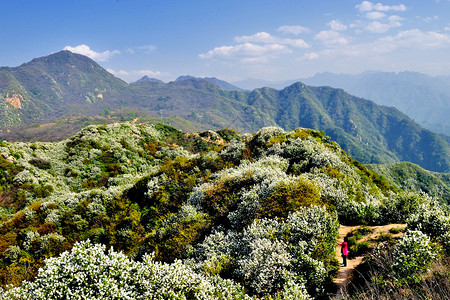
<point x="247" y="52"/>
<point x="264" y="37"/>
<point x="98" y="56"/>
<point x="415" y="39"/>
<point x="259" y="37"/>
<point x="379" y="27"/>
<point x="336" y="25"/>
<point x="296" y="29"/>
<point x="408" y="39"/>
<point x="375" y="15"/>
<point x="395" y="18"/>
<point x="310" y="56"/>
<point x="365" y="6"/>
<point x="120" y="73"/>
<point x="298" y="43"/>
<point x="331" y="38"/>
<point x="147" y="48"/>
<point x="149" y="73"/>
<point x="429" y="19"/>
<point x="369" y="6"/>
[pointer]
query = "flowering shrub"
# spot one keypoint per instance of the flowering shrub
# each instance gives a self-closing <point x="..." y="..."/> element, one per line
<point x="233" y="151"/>
<point x="269" y="253"/>
<point x="316" y="226"/>
<point x="412" y="255"/>
<point x="401" y="206"/>
<point x="265" y="134"/>
<point x="265" y="266"/>
<point x="262" y="210"/>
<point x="430" y="218"/>
<point x="89" y="272"/>
<point x="445" y="241"/>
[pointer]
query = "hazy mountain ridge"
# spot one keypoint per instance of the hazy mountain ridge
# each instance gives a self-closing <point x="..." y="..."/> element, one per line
<point x="424" y="98"/>
<point x="222" y="84"/>
<point x="148" y="79"/>
<point x="367" y="131"/>
<point x="406" y="91"/>
<point x="65" y="83"/>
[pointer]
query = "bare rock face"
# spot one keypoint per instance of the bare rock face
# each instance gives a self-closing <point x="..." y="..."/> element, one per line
<point x="14" y="100"/>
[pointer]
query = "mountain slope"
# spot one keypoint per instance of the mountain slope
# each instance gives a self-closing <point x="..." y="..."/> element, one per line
<point x="67" y="84"/>
<point x="369" y="132"/>
<point x="208" y="215"/>
<point x="148" y="79"/>
<point x="220" y="83"/>
<point x="58" y="84"/>
<point x="411" y="177"/>
<point x="424" y="98"/>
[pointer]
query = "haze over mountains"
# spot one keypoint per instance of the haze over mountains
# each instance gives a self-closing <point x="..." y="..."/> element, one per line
<point x="64" y="84"/>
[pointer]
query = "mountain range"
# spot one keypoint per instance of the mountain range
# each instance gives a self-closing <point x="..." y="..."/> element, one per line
<point x="424" y="98"/>
<point x="67" y="84"/>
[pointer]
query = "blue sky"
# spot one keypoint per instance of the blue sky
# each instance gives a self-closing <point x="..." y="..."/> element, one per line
<point x="232" y="40"/>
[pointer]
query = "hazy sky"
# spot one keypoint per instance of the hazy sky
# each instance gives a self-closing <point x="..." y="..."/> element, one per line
<point x="232" y="40"/>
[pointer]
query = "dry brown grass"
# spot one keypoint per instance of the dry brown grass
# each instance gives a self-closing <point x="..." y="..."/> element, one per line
<point x="376" y="280"/>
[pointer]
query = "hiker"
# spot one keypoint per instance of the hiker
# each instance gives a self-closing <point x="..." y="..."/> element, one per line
<point x="344" y="250"/>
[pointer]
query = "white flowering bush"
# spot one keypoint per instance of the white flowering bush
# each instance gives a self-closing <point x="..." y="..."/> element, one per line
<point x="233" y="151"/>
<point x="13" y="253"/>
<point x="412" y="255"/>
<point x="262" y="211"/>
<point x="445" y="241"/>
<point x="309" y="154"/>
<point x="265" y="134"/>
<point x="400" y="207"/>
<point x="293" y="289"/>
<point x="24" y="177"/>
<point x="268" y="254"/>
<point x="313" y="225"/>
<point x="249" y="183"/>
<point x="91" y="272"/>
<point x="265" y="266"/>
<point x="430" y="218"/>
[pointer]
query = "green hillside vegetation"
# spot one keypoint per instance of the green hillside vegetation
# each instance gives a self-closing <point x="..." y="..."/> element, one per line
<point x="411" y="177"/>
<point x="63" y="128"/>
<point x="209" y="215"/>
<point x="65" y="85"/>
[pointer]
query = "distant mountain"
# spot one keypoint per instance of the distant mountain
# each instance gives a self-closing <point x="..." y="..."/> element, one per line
<point x="424" y="98"/>
<point x="148" y="79"/>
<point x="220" y="83"/>
<point x="253" y="83"/>
<point x="63" y="83"/>
<point x="67" y="84"/>
<point x="369" y="132"/>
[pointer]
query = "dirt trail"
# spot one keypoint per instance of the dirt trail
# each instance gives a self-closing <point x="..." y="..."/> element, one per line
<point x="344" y="275"/>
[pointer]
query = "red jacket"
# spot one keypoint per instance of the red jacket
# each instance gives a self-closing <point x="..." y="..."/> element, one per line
<point x="344" y="249"/>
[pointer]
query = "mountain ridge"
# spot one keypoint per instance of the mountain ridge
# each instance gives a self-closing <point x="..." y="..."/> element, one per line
<point x="404" y="90"/>
<point x="221" y="83"/>
<point x="65" y="84"/>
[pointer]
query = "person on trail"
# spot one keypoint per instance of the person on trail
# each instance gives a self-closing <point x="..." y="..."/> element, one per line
<point x="344" y="250"/>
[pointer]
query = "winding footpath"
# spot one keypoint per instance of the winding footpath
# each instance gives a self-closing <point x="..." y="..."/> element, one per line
<point x="344" y="275"/>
